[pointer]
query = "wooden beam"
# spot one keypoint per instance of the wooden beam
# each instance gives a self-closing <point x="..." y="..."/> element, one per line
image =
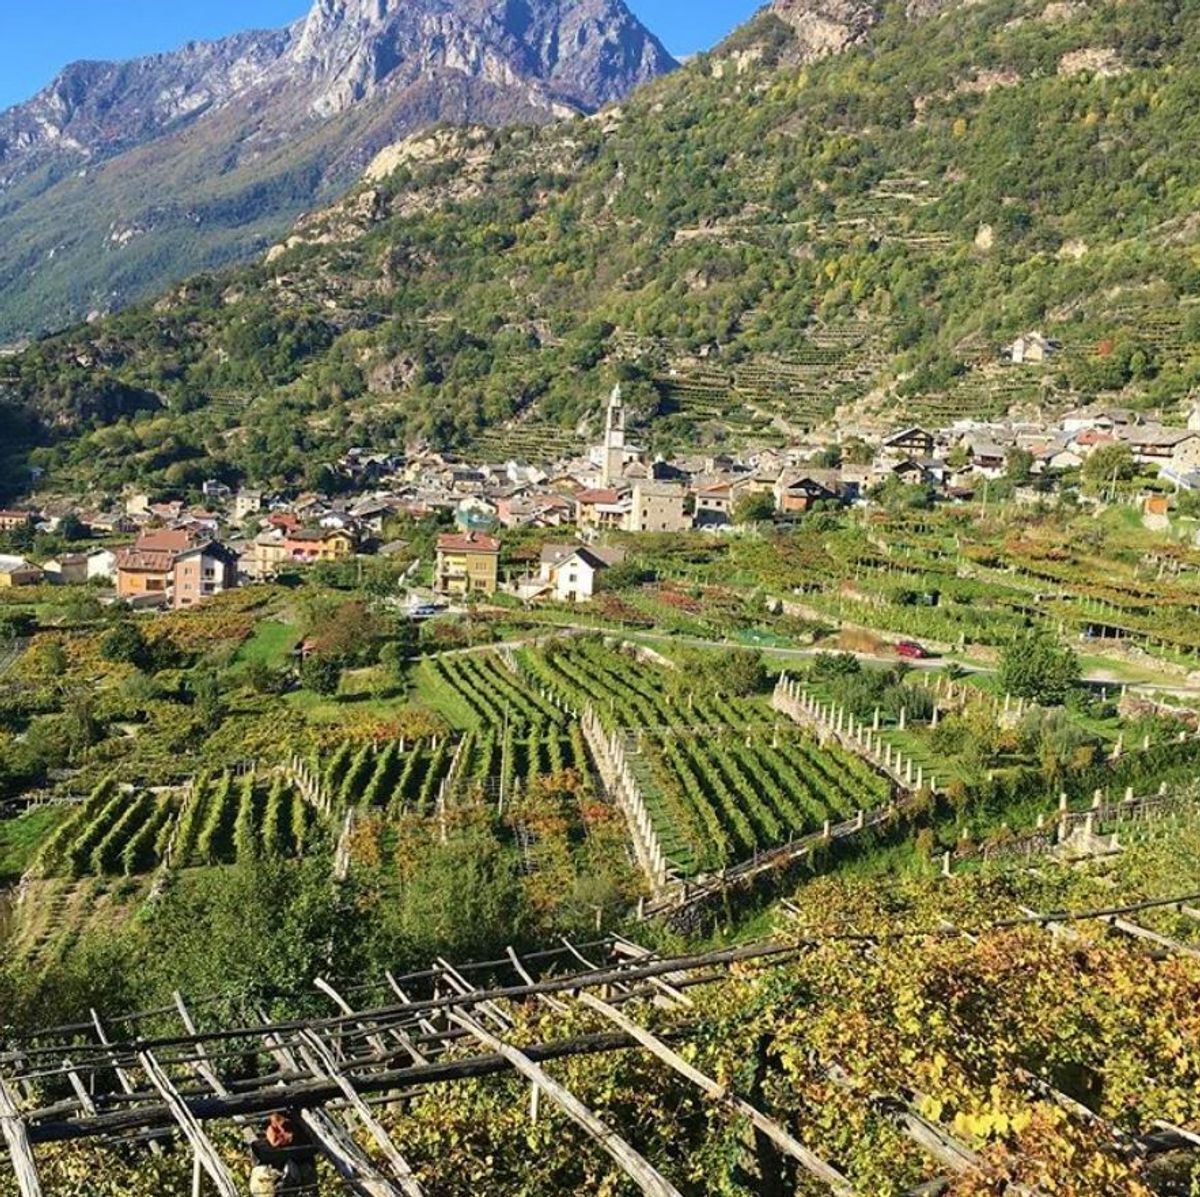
<point x="558" y="985"/>
<point x="632" y="951"/>
<point x="122" y="1076"/>
<point x="1058" y="930"/>
<point x="525" y="976"/>
<point x="786" y="1143"/>
<point x="349" y="1161"/>
<point x="303" y="1094"/>
<point x="373" y="1038"/>
<point x="85" y="1098"/>
<point x="1186" y="1135"/>
<point x="201" y="1145"/>
<point x="426" y="1026"/>
<point x="202" y="1065"/>
<point x="321" y="1059"/>
<point x="933" y="1140"/>
<point x="635" y="1166"/>
<point x="461" y="986"/>
<point x="1136" y="931"/>
<point x="1077" y="1109"/>
<point x="17" y="1141"/>
<point x="927" y="1135"/>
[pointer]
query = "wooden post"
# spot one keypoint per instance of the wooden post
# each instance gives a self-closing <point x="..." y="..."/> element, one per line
<point x="21" y="1154"/>
<point x="635" y="1166"/>
<point x="321" y="1060"/>
<point x="200" y="1143"/>
<point x="789" y="1145"/>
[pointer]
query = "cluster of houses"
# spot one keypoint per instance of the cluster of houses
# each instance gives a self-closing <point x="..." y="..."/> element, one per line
<point x="182" y="554"/>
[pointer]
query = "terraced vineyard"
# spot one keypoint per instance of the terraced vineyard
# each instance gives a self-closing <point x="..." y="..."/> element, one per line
<point x="527" y="441"/>
<point x="233" y="820"/>
<point x="219" y="819"/>
<point x="477" y="690"/>
<point x="508" y="761"/>
<point x="115" y="832"/>
<point x="723" y="797"/>
<point x="393" y="779"/>
<point x="705" y="398"/>
<point x="721" y="778"/>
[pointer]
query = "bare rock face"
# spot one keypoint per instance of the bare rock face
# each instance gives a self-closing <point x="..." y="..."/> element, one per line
<point x="1101" y="61"/>
<point x="582" y="53"/>
<point x="825" y="27"/>
<point x="100" y="108"/>
<point x="557" y="55"/>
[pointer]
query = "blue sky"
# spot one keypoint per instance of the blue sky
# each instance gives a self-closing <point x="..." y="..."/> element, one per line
<point x="36" y="41"/>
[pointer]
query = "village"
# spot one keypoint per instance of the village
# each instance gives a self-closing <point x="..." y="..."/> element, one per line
<point x="174" y="554"/>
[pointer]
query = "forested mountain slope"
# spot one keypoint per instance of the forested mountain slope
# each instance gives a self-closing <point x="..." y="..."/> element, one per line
<point x="123" y="177"/>
<point x="856" y="205"/>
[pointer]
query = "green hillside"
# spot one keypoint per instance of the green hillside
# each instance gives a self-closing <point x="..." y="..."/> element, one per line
<point x="752" y="245"/>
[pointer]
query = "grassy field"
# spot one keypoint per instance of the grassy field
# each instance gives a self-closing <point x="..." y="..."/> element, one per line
<point x="21" y="838"/>
<point x="271" y="644"/>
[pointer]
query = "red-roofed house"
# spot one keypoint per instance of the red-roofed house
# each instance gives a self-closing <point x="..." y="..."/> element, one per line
<point x="167" y="540"/>
<point x="144" y="575"/>
<point x="285" y="521"/>
<point x="309" y="545"/>
<point x="467" y="563"/>
<point x="170" y="568"/>
<point x="597" y="510"/>
<point x="11" y="521"/>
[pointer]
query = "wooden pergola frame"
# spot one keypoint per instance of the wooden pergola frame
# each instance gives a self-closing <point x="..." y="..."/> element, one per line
<point x="445" y="1024"/>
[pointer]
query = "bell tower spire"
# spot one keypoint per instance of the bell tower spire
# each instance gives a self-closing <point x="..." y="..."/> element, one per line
<point x="614" y="439"/>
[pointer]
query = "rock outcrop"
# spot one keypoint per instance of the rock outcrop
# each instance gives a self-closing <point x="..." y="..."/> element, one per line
<point x="824" y="27"/>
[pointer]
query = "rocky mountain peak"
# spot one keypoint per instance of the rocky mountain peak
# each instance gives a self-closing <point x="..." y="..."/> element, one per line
<point x="238" y="136"/>
<point x="586" y="51"/>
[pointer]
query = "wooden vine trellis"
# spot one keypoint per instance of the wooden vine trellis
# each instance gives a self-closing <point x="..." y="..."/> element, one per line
<point x="129" y="1082"/>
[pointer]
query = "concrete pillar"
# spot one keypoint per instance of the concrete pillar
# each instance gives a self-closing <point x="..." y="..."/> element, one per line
<point x="875" y="720"/>
<point x="903" y="718"/>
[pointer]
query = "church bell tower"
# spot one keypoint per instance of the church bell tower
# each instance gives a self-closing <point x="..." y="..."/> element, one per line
<point x="614" y="440"/>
